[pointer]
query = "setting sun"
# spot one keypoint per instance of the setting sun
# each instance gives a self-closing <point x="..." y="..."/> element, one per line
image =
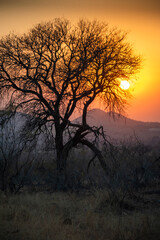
<point x="124" y="85"/>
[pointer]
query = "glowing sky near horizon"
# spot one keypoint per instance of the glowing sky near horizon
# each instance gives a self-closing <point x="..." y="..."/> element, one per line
<point x="140" y="18"/>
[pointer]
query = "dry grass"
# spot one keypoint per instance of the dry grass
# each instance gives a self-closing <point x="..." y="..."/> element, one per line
<point x="69" y="216"/>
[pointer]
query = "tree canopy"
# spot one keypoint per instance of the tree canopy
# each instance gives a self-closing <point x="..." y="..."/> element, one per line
<point x="56" y="68"/>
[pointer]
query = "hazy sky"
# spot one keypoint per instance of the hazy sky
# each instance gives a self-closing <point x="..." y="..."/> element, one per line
<point x="141" y="18"/>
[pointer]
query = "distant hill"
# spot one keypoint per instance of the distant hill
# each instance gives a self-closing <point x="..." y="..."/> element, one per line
<point x="116" y="128"/>
<point x="121" y="128"/>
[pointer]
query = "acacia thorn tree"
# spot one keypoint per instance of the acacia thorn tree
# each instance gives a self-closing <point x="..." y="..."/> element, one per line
<point x="56" y="67"/>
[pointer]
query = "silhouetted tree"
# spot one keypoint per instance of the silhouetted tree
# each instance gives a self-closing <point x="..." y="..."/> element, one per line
<point x="56" y="68"/>
<point x="15" y="164"/>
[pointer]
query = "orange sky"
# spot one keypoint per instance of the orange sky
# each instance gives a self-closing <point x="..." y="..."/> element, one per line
<point x="140" y="18"/>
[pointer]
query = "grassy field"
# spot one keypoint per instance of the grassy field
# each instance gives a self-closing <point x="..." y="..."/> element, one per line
<point x="88" y="215"/>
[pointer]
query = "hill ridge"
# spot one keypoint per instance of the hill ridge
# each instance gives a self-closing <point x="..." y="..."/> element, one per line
<point x="120" y="127"/>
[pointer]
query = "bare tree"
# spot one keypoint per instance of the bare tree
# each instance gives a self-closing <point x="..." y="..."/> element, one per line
<point x="56" y="68"/>
<point x="15" y="164"/>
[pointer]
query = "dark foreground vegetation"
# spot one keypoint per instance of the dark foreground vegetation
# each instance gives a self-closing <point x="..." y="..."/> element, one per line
<point x="124" y="205"/>
<point x="90" y="215"/>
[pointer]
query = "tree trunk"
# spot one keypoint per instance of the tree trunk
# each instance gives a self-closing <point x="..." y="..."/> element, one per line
<point x="61" y="161"/>
<point x="61" y="178"/>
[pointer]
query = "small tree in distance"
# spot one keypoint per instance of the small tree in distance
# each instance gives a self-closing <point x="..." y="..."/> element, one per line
<point x="55" y="68"/>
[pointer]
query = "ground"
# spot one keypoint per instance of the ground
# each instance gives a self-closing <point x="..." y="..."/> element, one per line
<point x="85" y="215"/>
